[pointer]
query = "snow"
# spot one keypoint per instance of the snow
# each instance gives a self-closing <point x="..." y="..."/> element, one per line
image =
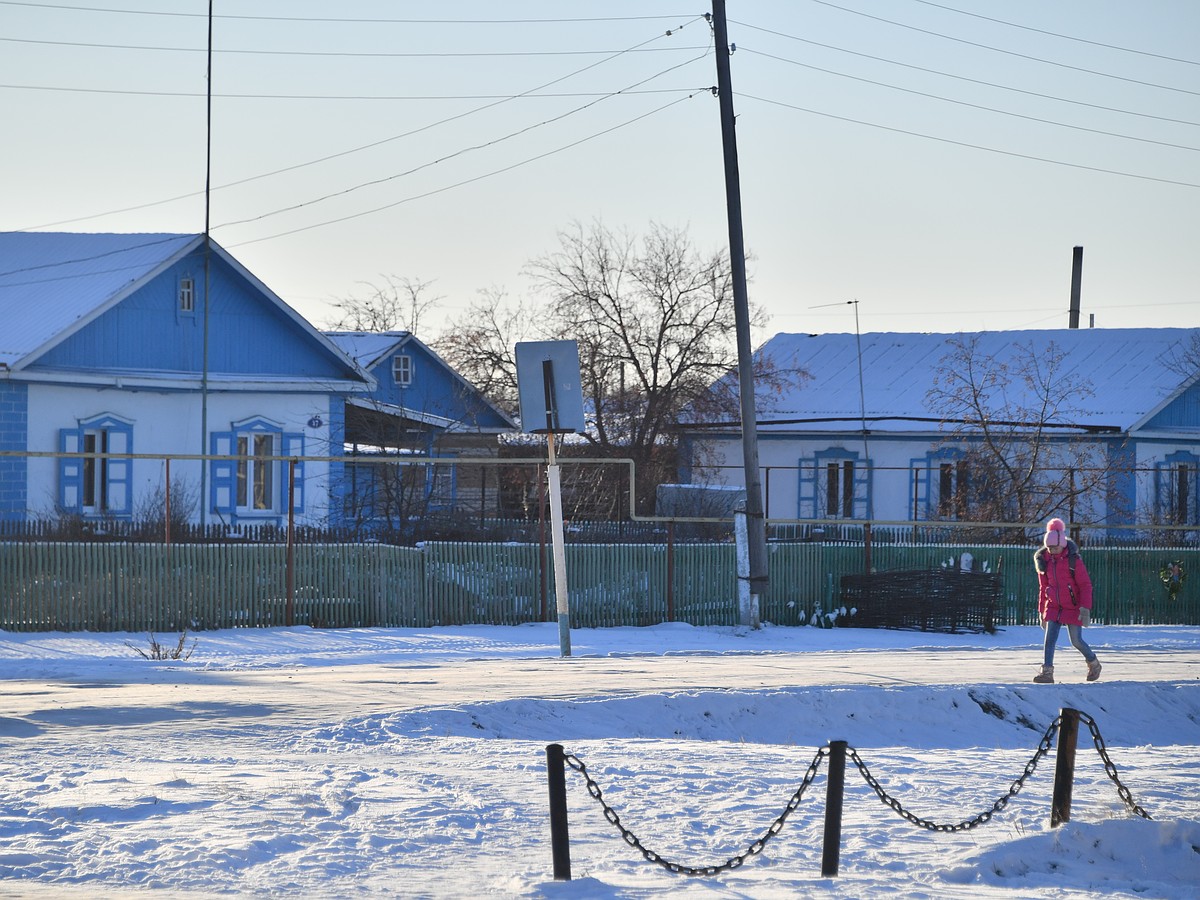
<point x="412" y="763"/>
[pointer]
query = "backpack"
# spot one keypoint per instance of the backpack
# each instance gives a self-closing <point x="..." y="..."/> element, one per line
<point x="1039" y="558"/>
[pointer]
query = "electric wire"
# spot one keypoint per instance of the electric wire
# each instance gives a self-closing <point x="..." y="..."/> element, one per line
<point x="1002" y="112"/>
<point x="1002" y="87"/>
<point x="535" y="92"/>
<point x="1048" y="62"/>
<point x="467" y="181"/>
<point x="944" y="140"/>
<point x="1065" y="37"/>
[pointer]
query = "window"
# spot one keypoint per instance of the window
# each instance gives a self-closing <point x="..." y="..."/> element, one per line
<point x="255" y="472"/>
<point x="1178" y="489"/>
<point x="839" y="489"/>
<point x="402" y="369"/>
<point x="92" y="478"/>
<point x="953" y="484"/>
<point x="250" y="470"/>
<point x="834" y="484"/>
<point x="187" y="294"/>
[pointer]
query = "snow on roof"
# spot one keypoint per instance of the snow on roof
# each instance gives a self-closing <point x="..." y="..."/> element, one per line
<point x="366" y="348"/>
<point x="51" y="280"/>
<point x="1126" y="370"/>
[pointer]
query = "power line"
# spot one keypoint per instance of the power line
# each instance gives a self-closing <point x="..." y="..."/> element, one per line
<point x="340" y="97"/>
<point x="1003" y="112"/>
<point x="930" y="137"/>
<point x="346" y="53"/>
<point x="352" y="21"/>
<point x="464" y="150"/>
<point x="467" y="181"/>
<point x="1048" y="62"/>
<point x="1065" y="37"/>
<point x="1002" y="87"/>
<point x="531" y="92"/>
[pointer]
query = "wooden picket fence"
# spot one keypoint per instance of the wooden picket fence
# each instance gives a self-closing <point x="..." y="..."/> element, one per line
<point x="71" y="586"/>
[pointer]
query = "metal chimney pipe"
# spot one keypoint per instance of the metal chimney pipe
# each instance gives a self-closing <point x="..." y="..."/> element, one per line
<point x="1076" y="279"/>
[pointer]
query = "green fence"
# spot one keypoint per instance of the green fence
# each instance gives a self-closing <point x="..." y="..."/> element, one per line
<point x="161" y="588"/>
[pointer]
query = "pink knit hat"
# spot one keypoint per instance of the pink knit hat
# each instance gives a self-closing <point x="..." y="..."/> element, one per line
<point x="1056" y="535"/>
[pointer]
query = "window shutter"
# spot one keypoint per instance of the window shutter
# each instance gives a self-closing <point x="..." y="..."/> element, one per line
<point x="70" y="471"/>
<point x="293" y="445"/>
<point x="918" y="491"/>
<point x="862" y="488"/>
<point x="120" y="471"/>
<point x="222" y="474"/>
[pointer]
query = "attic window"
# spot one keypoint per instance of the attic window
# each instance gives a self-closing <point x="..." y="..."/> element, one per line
<point x="402" y="369"/>
<point x="187" y="295"/>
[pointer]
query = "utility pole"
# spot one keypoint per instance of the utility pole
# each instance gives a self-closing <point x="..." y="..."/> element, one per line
<point x="755" y="521"/>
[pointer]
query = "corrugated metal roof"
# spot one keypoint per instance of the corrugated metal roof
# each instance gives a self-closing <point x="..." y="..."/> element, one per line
<point x="1126" y="370"/>
<point x="51" y="280"/>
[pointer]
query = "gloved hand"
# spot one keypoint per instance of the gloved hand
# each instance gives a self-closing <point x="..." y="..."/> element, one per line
<point x="1042" y="622"/>
<point x="1085" y="616"/>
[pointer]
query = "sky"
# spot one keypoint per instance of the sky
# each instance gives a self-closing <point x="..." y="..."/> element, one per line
<point x="298" y="762"/>
<point x="936" y="162"/>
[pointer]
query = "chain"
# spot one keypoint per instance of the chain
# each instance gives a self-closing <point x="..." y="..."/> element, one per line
<point x="983" y="817"/>
<point x="734" y="861"/>
<point x="1111" y="769"/>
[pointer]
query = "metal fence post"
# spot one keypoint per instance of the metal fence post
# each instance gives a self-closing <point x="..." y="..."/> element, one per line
<point x="832" y="851"/>
<point x="560" y="842"/>
<point x="1064" y="768"/>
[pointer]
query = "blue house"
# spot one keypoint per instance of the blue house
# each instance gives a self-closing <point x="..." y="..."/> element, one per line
<point x="130" y="362"/>
<point x="404" y="437"/>
<point x="900" y="428"/>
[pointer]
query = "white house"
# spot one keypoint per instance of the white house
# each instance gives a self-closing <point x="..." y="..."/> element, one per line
<point x="889" y="445"/>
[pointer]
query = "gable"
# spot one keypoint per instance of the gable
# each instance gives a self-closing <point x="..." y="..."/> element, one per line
<point x="1180" y="414"/>
<point x="434" y="390"/>
<point x="110" y="306"/>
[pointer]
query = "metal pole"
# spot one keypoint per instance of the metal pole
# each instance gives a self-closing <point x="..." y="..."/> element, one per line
<point x="291" y="545"/>
<point x="560" y="842"/>
<point x="755" y="522"/>
<point x="558" y="545"/>
<point x="832" y="851"/>
<point x="1064" y="768"/>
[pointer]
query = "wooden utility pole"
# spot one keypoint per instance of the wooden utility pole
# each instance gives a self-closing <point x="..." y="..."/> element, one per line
<point x="755" y="521"/>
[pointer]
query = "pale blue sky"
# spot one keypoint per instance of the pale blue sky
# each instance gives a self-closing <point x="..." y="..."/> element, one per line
<point x="909" y="154"/>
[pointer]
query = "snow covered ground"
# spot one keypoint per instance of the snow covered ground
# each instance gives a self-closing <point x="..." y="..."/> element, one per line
<point x="411" y="763"/>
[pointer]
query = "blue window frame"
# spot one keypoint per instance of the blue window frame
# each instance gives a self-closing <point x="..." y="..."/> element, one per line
<point x="1177" y="489"/>
<point x="835" y="484"/>
<point x="250" y="479"/>
<point x="95" y="484"/>
<point x="940" y="485"/>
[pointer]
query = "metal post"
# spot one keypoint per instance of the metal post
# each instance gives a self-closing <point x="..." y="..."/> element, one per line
<point x="831" y="853"/>
<point x="1064" y="768"/>
<point x="560" y="843"/>
<point x="291" y="546"/>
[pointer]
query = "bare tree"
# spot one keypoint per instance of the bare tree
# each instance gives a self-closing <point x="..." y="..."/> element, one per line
<point x="1015" y="421"/>
<point x="396" y="305"/>
<point x="480" y="345"/>
<point x="654" y="319"/>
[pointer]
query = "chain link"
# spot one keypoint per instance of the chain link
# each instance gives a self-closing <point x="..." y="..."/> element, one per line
<point x="1111" y="769"/>
<point x="968" y="824"/>
<point x="734" y="861"/>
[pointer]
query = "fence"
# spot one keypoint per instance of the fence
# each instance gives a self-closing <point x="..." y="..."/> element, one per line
<point x="72" y="586"/>
<point x="1066" y="726"/>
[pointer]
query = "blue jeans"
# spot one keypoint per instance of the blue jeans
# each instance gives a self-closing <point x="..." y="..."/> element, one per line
<point x="1076" y="634"/>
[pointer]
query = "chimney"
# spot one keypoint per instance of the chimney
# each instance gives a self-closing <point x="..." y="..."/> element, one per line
<point x="1076" y="278"/>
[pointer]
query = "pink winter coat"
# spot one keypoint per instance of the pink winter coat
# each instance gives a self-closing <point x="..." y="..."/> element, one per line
<point x="1059" y="595"/>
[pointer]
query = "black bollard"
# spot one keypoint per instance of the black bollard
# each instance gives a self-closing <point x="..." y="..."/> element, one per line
<point x="560" y="842"/>
<point x="831" y="854"/>
<point x="1064" y="768"/>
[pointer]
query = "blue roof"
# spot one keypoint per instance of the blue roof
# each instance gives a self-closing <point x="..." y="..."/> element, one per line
<point x="51" y="282"/>
<point x="1125" y="375"/>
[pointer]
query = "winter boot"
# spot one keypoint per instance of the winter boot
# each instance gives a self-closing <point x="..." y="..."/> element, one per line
<point x="1093" y="669"/>
<point x="1046" y="676"/>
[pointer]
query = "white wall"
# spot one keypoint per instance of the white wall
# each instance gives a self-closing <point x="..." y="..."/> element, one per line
<point x="170" y="423"/>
